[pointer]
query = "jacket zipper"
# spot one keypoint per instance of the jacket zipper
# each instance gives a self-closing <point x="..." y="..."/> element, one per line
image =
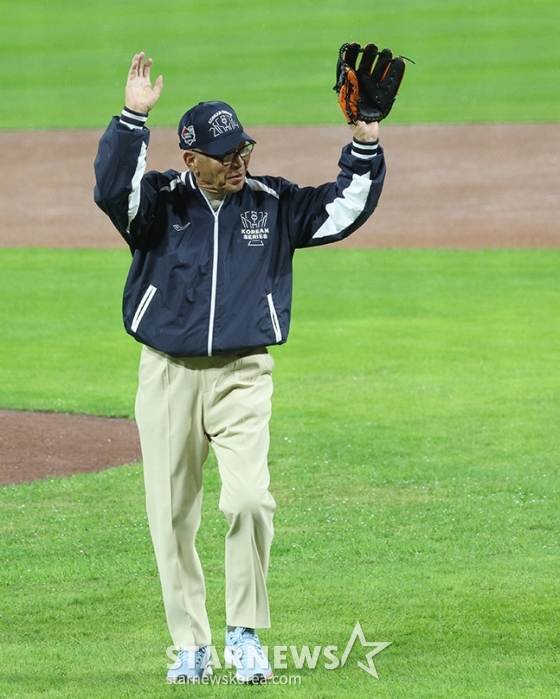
<point x="214" y="279"/>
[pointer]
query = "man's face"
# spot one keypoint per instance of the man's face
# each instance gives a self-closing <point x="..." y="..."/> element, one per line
<point x="213" y="176"/>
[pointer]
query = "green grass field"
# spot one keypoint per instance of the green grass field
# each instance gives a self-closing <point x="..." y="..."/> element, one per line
<point x="414" y="460"/>
<point x="64" y="63"/>
<point x="415" y="450"/>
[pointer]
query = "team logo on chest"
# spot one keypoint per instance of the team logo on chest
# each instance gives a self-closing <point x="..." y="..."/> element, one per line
<point x="254" y="229"/>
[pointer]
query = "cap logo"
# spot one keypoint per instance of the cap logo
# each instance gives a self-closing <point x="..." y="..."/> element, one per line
<point x="212" y="127"/>
<point x="221" y="122"/>
<point x="188" y="135"/>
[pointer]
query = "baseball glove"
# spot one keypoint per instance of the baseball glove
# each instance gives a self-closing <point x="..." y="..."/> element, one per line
<point x="367" y="92"/>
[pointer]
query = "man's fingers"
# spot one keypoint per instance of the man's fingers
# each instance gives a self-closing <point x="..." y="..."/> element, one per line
<point x="136" y="65"/>
<point x="146" y="68"/>
<point x="133" y="72"/>
<point x="139" y="93"/>
<point x="158" y="85"/>
<point x="133" y="67"/>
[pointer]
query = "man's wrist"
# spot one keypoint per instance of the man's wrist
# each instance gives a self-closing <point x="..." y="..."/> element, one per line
<point x="132" y="118"/>
<point x="367" y="132"/>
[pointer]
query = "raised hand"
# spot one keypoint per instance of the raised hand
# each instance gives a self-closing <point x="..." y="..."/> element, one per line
<point x="139" y="94"/>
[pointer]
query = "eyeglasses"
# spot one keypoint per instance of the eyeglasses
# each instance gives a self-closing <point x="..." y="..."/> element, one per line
<point x="228" y="158"/>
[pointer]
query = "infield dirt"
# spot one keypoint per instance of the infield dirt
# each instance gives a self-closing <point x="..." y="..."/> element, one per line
<point x="447" y="187"/>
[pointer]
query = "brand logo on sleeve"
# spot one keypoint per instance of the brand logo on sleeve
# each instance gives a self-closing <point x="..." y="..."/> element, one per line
<point x="177" y="227"/>
<point x="254" y="229"/>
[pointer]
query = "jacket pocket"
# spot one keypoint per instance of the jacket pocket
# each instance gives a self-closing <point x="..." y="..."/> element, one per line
<point x="274" y="318"/>
<point x="143" y="307"/>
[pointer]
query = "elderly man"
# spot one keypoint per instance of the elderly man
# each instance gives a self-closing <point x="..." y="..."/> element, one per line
<point x="209" y="289"/>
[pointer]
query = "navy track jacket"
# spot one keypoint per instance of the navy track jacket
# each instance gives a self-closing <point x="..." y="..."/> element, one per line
<point x="204" y="282"/>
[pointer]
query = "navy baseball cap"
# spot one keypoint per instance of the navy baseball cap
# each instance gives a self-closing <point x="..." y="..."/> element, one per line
<point x="212" y="127"/>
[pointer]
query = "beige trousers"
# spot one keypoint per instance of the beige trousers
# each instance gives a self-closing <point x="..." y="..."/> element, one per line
<point x="182" y="406"/>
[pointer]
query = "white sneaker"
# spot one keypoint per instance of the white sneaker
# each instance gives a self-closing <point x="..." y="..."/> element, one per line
<point x="191" y="665"/>
<point x="244" y="651"/>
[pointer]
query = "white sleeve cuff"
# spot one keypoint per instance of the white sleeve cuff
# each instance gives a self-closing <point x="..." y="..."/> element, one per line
<point x="132" y="119"/>
<point x="364" y="150"/>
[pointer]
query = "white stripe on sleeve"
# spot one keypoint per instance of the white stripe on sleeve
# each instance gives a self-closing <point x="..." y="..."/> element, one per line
<point x="344" y="210"/>
<point x="257" y="186"/>
<point x="134" y="196"/>
<point x="134" y="120"/>
<point x="366" y="151"/>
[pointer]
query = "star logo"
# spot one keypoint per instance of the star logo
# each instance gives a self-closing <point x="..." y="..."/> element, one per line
<point x="377" y="648"/>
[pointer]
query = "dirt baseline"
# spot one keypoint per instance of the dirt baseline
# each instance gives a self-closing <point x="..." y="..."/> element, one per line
<point x="45" y="445"/>
<point x="447" y="187"/>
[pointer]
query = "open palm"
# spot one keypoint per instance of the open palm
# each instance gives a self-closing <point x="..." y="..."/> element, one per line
<point x="139" y="93"/>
